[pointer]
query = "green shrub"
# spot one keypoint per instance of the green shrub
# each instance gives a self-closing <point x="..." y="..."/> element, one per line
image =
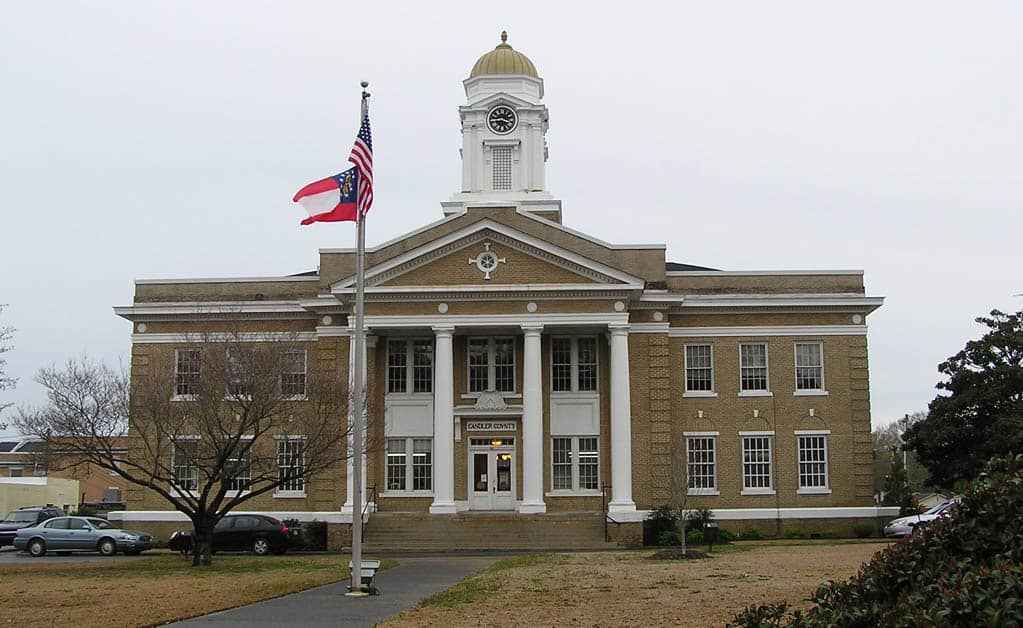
<point x="698" y="518"/>
<point x="314" y="535"/>
<point x="694" y="537"/>
<point x="662" y="519"/>
<point x="863" y="530"/>
<point x="794" y="533"/>
<point x="752" y="534"/>
<point x="724" y="536"/>
<point x="669" y="538"/>
<point x="966" y="570"/>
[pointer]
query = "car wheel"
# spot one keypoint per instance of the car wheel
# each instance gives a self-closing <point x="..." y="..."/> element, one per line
<point x="107" y="547"/>
<point x="36" y="548"/>
<point x="261" y="546"/>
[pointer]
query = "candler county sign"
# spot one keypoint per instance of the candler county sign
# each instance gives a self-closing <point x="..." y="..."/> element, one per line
<point x="490" y="426"/>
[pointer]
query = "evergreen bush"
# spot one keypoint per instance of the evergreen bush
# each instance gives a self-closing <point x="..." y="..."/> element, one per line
<point x="966" y="570"/>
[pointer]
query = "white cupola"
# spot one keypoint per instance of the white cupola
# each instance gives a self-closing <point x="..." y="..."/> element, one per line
<point x="504" y="128"/>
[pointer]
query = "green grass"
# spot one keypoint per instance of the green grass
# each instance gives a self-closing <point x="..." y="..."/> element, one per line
<point x="482" y="585"/>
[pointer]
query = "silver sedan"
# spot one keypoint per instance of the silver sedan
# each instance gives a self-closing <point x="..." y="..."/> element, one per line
<point x="65" y="534"/>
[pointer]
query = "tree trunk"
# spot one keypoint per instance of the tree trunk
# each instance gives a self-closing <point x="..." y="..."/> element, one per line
<point x="202" y="544"/>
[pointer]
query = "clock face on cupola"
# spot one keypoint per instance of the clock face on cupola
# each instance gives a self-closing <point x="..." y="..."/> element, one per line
<point x="502" y="119"/>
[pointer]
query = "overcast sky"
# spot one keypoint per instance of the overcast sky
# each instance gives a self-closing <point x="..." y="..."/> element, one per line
<point x="157" y="140"/>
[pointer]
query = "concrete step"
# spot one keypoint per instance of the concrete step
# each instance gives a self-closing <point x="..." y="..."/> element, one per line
<point x="488" y="531"/>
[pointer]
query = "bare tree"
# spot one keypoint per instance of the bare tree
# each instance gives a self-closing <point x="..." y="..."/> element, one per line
<point x="220" y="422"/>
<point x="6" y="383"/>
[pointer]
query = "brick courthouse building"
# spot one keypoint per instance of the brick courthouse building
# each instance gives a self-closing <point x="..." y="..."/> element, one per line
<point x="518" y="367"/>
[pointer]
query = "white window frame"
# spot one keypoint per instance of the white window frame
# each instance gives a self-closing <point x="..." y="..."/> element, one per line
<point x="410" y="366"/>
<point x="574" y="365"/>
<point x="813" y="490"/>
<point x="685" y="372"/>
<point x="756" y="392"/>
<point x="807" y="392"/>
<point x="758" y="490"/>
<point x="491" y="365"/>
<point x="304" y="373"/>
<point x="290" y="493"/>
<point x="711" y="490"/>
<point x="188" y="396"/>
<point x="574" y="462"/>
<point x="176" y="487"/>
<point x="236" y="492"/>
<point x="409" y="464"/>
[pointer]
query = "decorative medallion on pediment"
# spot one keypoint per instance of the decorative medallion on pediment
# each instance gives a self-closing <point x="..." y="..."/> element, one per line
<point x="491" y="400"/>
<point x="487" y="261"/>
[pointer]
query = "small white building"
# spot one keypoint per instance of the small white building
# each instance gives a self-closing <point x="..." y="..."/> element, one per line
<point x="37" y="491"/>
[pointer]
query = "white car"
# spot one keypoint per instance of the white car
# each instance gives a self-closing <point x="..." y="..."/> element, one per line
<point x="905" y="526"/>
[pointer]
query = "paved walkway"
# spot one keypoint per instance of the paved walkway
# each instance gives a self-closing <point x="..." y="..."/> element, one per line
<point x="401" y="588"/>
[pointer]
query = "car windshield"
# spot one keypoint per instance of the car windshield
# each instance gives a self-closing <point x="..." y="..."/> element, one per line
<point x="100" y="524"/>
<point x="20" y="517"/>
<point x="936" y="509"/>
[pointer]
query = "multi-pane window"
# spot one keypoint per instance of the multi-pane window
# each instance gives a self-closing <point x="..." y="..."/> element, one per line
<point x="501" y="157"/>
<point x="752" y="366"/>
<point x="701" y="463"/>
<point x="186" y="372"/>
<point x="575" y="463"/>
<point x="239" y="372"/>
<point x="813" y="461"/>
<point x="809" y="366"/>
<point x="756" y="463"/>
<point x="699" y="368"/>
<point x="238" y="471"/>
<point x="291" y="465"/>
<point x="409" y="458"/>
<point x="491" y="364"/>
<point x="574" y="364"/>
<point x="293" y="373"/>
<point x="186" y="467"/>
<point x="409" y="361"/>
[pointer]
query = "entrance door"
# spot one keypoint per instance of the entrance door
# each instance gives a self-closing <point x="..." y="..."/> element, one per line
<point x="492" y="478"/>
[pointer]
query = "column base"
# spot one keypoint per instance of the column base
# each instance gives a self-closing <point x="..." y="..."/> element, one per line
<point x="443" y="508"/>
<point x="532" y="509"/>
<point x="628" y="506"/>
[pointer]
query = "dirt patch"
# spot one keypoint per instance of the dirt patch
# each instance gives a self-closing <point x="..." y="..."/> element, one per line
<point x="677" y="554"/>
<point x="628" y="589"/>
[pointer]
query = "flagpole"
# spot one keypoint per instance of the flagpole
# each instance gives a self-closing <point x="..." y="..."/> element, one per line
<point x="358" y="383"/>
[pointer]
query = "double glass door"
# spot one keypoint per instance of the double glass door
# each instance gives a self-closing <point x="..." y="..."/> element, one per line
<point x="492" y="479"/>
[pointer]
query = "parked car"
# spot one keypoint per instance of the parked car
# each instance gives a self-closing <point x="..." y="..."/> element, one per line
<point x="905" y="526"/>
<point x="24" y="518"/>
<point x="65" y="534"/>
<point x="262" y="534"/>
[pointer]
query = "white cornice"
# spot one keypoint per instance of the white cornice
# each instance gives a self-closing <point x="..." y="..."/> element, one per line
<point x="224" y="280"/>
<point x="830" y="300"/>
<point x="757" y="273"/>
<point x="768" y="330"/>
<point x="495" y="288"/>
<point x="181" y="309"/>
<point x="498" y="320"/>
<point x="649" y="328"/>
<point x="511" y="237"/>
<point x="248" y="336"/>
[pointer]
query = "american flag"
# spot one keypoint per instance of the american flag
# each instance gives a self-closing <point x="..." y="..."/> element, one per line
<point x="362" y="157"/>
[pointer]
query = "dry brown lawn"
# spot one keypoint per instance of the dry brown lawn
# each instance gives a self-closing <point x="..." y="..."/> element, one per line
<point x="629" y="589"/>
<point x="153" y="589"/>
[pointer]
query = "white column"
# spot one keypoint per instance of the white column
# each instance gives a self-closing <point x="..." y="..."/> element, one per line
<point x="349" y="464"/>
<point x="621" y="422"/>
<point x="443" y="424"/>
<point x="532" y="423"/>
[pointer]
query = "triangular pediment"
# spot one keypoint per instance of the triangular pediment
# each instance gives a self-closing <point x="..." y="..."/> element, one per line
<point x="491" y="249"/>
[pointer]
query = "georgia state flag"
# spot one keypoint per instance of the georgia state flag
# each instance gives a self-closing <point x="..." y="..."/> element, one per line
<point x="332" y="199"/>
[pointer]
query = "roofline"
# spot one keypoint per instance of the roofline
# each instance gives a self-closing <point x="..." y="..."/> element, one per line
<point x="755" y="273"/>
<point x="617" y="247"/>
<point x="225" y="280"/>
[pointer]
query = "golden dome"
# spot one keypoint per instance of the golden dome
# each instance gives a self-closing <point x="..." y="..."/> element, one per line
<point x="504" y="60"/>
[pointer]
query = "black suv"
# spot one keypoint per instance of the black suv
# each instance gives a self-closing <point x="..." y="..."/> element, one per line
<point x="25" y="518"/>
<point x="260" y="533"/>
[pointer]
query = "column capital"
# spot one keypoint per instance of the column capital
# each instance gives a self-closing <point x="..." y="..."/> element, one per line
<point x="618" y="329"/>
<point x="531" y="329"/>
<point x="443" y="330"/>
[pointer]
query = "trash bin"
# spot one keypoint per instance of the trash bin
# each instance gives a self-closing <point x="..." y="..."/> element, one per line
<point x="710" y="534"/>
